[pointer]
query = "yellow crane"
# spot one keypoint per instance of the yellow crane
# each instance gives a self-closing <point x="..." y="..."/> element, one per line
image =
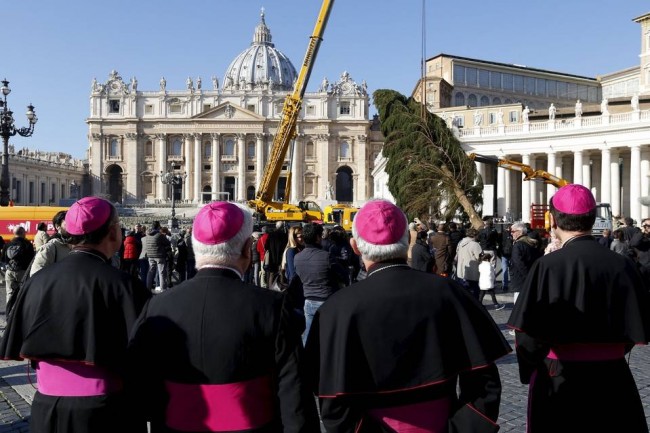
<point x="263" y="203"/>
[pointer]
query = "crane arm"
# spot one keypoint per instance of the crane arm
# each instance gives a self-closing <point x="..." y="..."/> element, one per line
<point x="529" y="173"/>
<point x="290" y="111"/>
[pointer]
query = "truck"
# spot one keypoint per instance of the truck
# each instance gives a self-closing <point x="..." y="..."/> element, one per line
<point x="28" y="217"/>
<point x="340" y="214"/>
<point x="263" y="203"/>
<point x="539" y="212"/>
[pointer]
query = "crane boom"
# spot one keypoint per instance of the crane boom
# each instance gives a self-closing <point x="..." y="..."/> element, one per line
<point x="287" y="126"/>
<point x="529" y="173"/>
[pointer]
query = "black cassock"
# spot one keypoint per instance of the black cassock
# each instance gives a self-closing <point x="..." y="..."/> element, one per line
<point x="75" y="316"/>
<point x="217" y="354"/>
<point x="582" y="309"/>
<point x="390" y="351"/>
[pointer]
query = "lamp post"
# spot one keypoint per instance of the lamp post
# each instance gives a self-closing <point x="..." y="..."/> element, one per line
<point x="8" y="129"/>
<point x="173" y="179"/>
<point x="74" y="190"/>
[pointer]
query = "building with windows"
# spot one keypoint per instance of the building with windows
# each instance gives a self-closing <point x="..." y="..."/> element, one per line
<point x="218" y="135"/>
<point x="592" y="131"/>
<point x="45" y="178"/>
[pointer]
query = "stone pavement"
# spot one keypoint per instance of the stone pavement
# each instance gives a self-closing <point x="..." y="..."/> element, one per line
<point x="16" y="390"/>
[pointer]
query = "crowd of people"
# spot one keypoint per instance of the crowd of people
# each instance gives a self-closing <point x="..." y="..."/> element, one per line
<point x="384" y="328"/>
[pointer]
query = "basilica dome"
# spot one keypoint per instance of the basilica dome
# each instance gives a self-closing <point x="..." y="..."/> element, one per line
<point x="260" y="66"/>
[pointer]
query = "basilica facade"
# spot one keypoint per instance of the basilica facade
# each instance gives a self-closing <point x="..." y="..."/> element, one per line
<point x="216" y="135"/>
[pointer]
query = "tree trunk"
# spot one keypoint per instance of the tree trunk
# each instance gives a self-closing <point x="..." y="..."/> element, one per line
<point x="476" y="221"/>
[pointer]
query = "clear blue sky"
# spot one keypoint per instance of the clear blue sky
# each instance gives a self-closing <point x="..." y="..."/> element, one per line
<point x="53" y="49"/>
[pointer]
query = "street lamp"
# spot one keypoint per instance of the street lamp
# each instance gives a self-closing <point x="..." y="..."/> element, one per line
<point x="173" y="179"/>
<point x="74" y="190"/>
<point x="7" y="129"/>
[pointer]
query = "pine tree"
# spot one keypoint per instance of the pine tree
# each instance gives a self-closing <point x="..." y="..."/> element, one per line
<point x="429" y="172"/>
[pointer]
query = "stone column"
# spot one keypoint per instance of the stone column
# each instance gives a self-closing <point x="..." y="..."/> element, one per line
<point x="259" y="160"/>
<point x="525" y="193"/>
<point x="645" y="190"/>
<point x="323" y="165"/>
<point x="216" y="165"/>
<point x="96" y="166"/>
<point x="605" y="176"/>
<point x="586" y="172"/>
<point x="162" y="165"/>
<point x="296" y="169"/>
<point x="558" y="167"/>
<point x="187" y="154"/>
<point x="635" y="182"/>
<point x="615" y="171"/>
<point x="198" y="169"/>
<point x="241" y="166"/>
<point x="550" y="167"/>
<point x="507" y="184"/>
<point x="501" y="192"/>
<point x="359" y="152"/>
<point x="577" y="167"/>
<point x="133" y="163"/>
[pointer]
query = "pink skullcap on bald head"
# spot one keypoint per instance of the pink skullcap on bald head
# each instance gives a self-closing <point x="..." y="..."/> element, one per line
<point x="217" y="222"/>
<point x="380" y="222"/>
<point x="574" y="199"/>
<point x="87" y="215"/>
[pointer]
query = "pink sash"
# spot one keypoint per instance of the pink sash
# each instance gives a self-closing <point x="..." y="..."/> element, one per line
<point x="228" y="407"/>
<point x="587" y="352"/>
<point x="75" y="379"/>
<point x="426" y="417"/>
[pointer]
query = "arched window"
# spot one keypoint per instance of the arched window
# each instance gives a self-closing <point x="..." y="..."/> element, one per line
<point x="344" y="150"/>
<point x="471" y="100"/>
<point x="485" y="101"/>
<point x="250" y="150"/>
<point x="496" y="101"/>
<point x="309" y="149"/>
<point x="250" y="192"/>
<point x="460" y="99"/>
<point x="177" y="147"/>
<point x="114" y="149"/>
<point x="207" y="149"/>
<point x="229" y="147"/>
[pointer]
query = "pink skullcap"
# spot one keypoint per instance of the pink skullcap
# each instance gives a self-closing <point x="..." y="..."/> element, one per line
<point x="217" y="222"/>
<point x="87" y="215"/>
<point x="380" y="222"/>
<point x="574" y="199"/>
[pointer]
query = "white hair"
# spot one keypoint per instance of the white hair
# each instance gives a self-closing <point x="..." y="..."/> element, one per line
<point x="381" y="253"/>
<point x="519" y="226"/>
<point x="226" y="253"/>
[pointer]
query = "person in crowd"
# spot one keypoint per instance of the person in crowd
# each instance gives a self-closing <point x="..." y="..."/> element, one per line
<point x="191" y="261"/>
<point x="41" y="237"/>
<point x="17" y="254"/>
<point x="455" y="236"/>
<point x="215" y="353"/>
<point x="468" y="257"/>
<point x="618" y="243"/>
<point x="132" y="246"/>
<point x="320" y="276"/>
<point x="340" y="252"/>
<point x="413" y="235"/>
<point x="89" y="308"/>
<point x="487" y="280"/>
<point x="606" y="239"/>
<point x="143" y="260"/>
<point x="554" y="243"/>
<point x="441" y="244"/>
<point x="294" y="246"/>
<point x="629" y="229"/>
<point x="488" y="238"/>
<point x="181" y="256"/>
<point x="56" y="249"/>
<point x="157" y="247"/>
<point x="421" y="258"/>
<point x="506" y="254"/>
<point x="274" y="247"/>
<point x="388" y="353"/>
<point x="261" y="249"/>
<point x="581" y="310"/>
<point x="525" y="252"/>
<point x="640" y="246"/>
<point x="254" y="271"/>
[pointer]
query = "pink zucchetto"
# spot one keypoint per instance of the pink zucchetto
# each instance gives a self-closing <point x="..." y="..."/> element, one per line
<point x="87" y="215"/>
<point x="574" y="199"/>
<point x="217" y="222"/>
<point x="380" y="222"/>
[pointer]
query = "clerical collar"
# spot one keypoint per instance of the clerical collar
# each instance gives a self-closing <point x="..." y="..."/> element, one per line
<point x="378" y="267"/>
<point x="241" y="277"/>
<point x="570" y="240"/>
<point x="91" y="252"/>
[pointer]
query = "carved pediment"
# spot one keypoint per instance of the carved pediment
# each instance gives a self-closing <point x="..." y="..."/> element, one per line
<point x="228" y="111"/>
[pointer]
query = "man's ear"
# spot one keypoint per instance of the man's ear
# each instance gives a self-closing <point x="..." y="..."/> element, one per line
<point x="246" y="249"/>
<point x="552" y="221"/>
<point x="353" y="244"/>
